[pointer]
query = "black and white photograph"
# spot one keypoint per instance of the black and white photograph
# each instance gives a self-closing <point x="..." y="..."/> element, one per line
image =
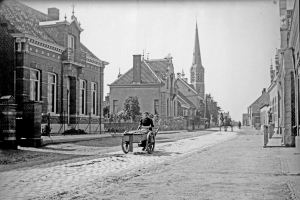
<point x="141" y="99"/>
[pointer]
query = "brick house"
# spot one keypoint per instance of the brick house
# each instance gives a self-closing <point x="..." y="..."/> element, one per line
<point x="42" y="59"/>
<point x="152" y="81"/>
<point x="254" y="109"/>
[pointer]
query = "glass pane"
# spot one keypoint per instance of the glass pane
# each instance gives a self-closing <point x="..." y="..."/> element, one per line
<point x="51" y="78"/>
<point x="31" y="90"/>
<point x="36" y="91"/>
<point x="50" y="94"/>
<point x="33" y="75"/>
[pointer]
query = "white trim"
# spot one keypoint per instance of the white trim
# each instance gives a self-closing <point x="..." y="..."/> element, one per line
<point x="187" y="85"/>
<point x="55" y="92"/>
<point x="38" y="85"/>
<point x="80" y="97"/>
<point x="94" y="91"/>
<point x="160" y="80"/>
<point x="16" y="35"/>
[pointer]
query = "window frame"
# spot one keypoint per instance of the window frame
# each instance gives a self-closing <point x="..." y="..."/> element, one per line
<point x="82" y="96"/>
<point x="156" y="106"/>
<point x="54" y="86"/>
<point x="115" y="107"/>
<point x="71" y="40"/>
<point x="38" y="86"/>
<point x="94" y="88"/>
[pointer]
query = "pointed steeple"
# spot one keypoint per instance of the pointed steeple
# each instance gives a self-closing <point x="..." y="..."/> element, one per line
<point x="196" y="55"/>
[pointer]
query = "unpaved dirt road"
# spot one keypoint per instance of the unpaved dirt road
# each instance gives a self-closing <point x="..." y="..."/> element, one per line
<point x="221" y="165"/>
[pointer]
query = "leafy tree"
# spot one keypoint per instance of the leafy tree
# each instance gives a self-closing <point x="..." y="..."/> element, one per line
<point x="106" y="111"/>
<point x="132" y="107"/>
<point x="207" y="107"/>
<point x="212" y="108"/>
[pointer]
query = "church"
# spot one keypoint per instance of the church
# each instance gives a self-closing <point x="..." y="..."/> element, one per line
<point x="191" y="95"/>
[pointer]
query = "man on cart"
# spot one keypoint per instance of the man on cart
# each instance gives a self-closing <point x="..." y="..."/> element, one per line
<point x="145" y="126"/>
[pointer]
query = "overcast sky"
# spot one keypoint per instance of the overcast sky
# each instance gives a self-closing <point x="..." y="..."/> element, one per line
<point x="238" y="39"/>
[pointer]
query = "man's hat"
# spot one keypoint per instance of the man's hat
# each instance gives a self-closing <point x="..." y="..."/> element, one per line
<point x="146" y="112"/>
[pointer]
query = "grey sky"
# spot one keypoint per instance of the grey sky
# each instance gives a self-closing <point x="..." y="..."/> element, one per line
<point x="238" y="39"/>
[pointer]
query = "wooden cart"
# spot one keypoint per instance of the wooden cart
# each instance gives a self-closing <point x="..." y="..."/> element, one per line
<point x="137" y="137"/>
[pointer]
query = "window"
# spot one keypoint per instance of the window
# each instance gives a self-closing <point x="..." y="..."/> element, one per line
<point x="82" y="97"/>
<point x="174" y="108"/>
<point x="34" y="85"/>
<point x="156" y="106"/>
<point x="167" y="83"/>
<point x="71" y="41"/>
<point x="115" y="106"/>
<point x="52" y="93"/>
<point x="93" y="98"/>
<point x="167" y="107"/>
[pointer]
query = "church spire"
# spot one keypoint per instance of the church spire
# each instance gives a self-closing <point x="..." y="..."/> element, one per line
<point x="196" y="55"/>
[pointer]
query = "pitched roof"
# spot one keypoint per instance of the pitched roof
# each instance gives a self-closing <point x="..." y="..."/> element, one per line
<point x="190" y="86"/>
<point x="152" y="71"/>
<point x="25" y="19"/>
<point x="159" y="66"/>
<point x="147" y="76"/>
<point x="186" y="100"/>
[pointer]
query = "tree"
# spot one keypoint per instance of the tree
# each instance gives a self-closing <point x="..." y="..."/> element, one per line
<point x="212" y="108"/>
<point x="207" y="107"/>
<point x="106" y="111"/>
<point x="132" y="107"/>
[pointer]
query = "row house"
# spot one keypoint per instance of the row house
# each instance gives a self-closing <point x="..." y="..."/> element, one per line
<point x="282" y="110"/>
<point x="253" y="111"/>
<point x="293" y="44"/>
<point x="42" y="59"/>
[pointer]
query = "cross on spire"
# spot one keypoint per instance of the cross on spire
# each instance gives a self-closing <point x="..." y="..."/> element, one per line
<point x="73" y="6"/>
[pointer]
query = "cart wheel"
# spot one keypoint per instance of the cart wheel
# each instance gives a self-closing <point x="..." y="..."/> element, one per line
<point x="150" y="143"/>
<point x="125" y="146"/>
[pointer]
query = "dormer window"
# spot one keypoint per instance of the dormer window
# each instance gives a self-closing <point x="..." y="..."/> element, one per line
<point x="71" y="42"/>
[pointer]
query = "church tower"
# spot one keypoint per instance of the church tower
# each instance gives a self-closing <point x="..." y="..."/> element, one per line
<point x="197" y="70"/>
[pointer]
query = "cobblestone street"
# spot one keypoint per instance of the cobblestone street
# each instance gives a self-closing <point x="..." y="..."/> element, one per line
<point x="221" y="165"/>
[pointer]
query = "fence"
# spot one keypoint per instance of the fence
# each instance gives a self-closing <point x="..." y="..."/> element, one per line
<point x="164" y="123"/>
<point x="73" y="124"/>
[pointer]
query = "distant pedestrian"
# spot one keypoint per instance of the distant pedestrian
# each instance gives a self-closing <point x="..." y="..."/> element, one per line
<point x="240" y="124"/>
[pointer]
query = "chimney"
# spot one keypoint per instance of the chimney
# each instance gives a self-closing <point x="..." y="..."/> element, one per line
<point x="264" y="90"/>
<point x="178" y="75"/>
<point x="137" y="69"/>
<point x="53" y="13"/>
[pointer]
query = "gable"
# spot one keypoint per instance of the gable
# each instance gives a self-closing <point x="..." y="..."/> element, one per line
<point x="147" y="76"/>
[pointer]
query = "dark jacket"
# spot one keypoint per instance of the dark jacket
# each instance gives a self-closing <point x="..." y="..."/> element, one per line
<point x="147" y="122"/>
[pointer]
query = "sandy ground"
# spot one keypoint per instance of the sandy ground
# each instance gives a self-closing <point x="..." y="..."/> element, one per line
<point x="238" y="168"/>
<point x="28" y="157"/>
<point x="220" y="165"/>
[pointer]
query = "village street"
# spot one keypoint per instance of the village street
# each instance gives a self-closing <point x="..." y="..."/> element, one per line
<point x="220" y="165"/>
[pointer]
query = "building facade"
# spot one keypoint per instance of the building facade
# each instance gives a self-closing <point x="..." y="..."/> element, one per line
<point x="254" y="109"/>
<point x="42" y="59"/>
<point x="293" y="43"/>
<point x="152" y="81"/>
